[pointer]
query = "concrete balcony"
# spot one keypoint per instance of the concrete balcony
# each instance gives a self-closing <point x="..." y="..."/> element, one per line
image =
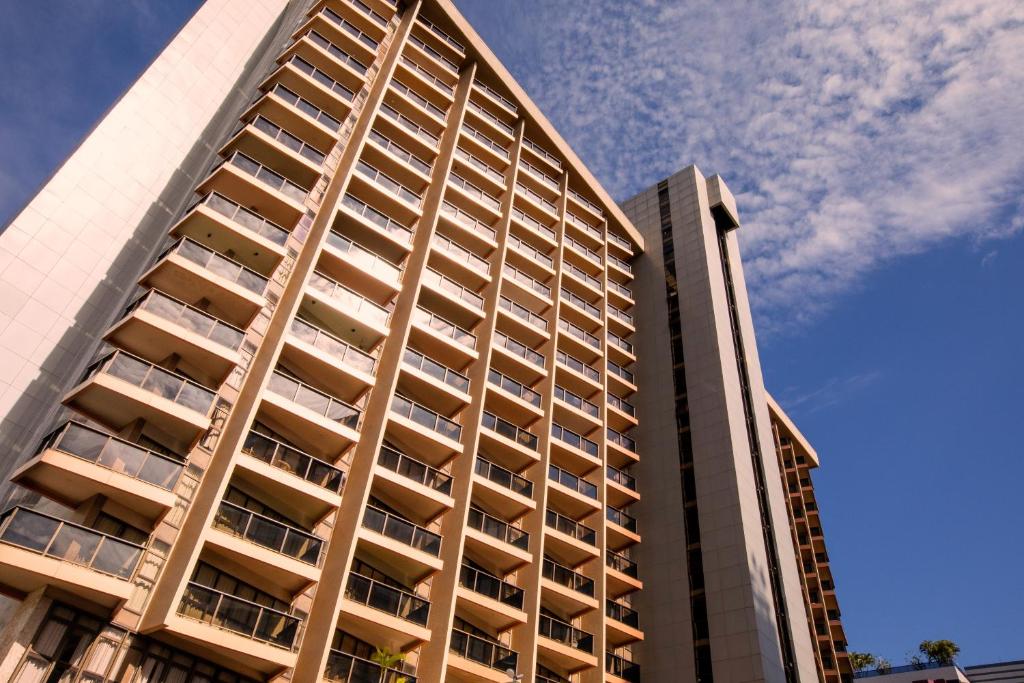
<point x="620" y="670"/>
<point x="621" y="488"/>
<point x="449" y="255"/>
<point x="567" y="541"/>
<point x="621" y="529"/>
<point x="384" y="234"/>
<point x="569" y="591"/>
<point x="621" y="575"/>
<point x="37" y="550"/>
<point x="621" y="414"/>
<point x="410" y="552"/>
<point x="501" y="490"/>
<point x="506" y="396"/>
<point x="77" y="462"/>
<point x="380" y="613"/>
<point x="475" y="660"/>
<point x="268" y="143"/>
<point x="334" y="60"/>
<point x="622" y="624"/>
<point x="504" y="546"/>
<point x="299" y="409"/>
<point x="569" y="648"/>
<point x="580" y="377"/>
<point x="247" y="181"/>
<point x="432" y="436"/>
<point x="514" y="446"/>
<point x="433" y="384"/>
<point x="480" y="143"/>
<point x="360" y="268"/>
<point x="298" y="114"/>
<point x="313" y="86"/>
<point x="570" y="494"/>
<point x="345" y="667"/>
<point x="315" y="352"/>
<point x="444" y="340"/>
<point x="573" y="451"/>
<point x="521" y="322"/>
<point x="450" y="298"/>
<point x="576" y="412"/>
<point x="512" y="357"/>
<point x="410" y="486"/>
<point x="621" y="449"/>
<point x="393" y="197"/>
<point x="470" y="228"/>
<point x="493" y="602"/>
<point x="342" y="308"/>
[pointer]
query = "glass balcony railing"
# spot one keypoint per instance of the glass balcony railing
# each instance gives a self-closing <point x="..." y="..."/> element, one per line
<point x="497" y="528"/>
<point x="292" y="142"/>
<point x="583" y="201"/>
<point x="576" y="401"/>
<point x="577" y="365"/>
<point x="618" y="341"/>
<point x="399" y="152"/>
<point x="621" y="289"/>
<point x="487" y="652"/>
<point x="189" y="317"/>
<point x="427" y="76"/>
<point x="115" y="454"/>
<point x="467" y="221"/>
<point x="243" y="617"/>
<point x="621" y="564"/>
<point x="391" y="227"/>
<point x="373" y="16"/>
<point x="490" y="144"/>
<point x="616" y="516"/>
<point x="581" y="274"/>
<point x="268" y="533"/>
<point x="348" y="668"/>
<point x="578" y="332"/>
<point x="244" y="217"/>
<point x="513" y="273"/>
<point x="473" y="191"/>
<point x="349" y="300"/>
<point x="388" y="599"/>
<point x="533" y="196"/>
<point x="306" y="107"/>
<point x="533" y="223"/>
<point x="491" y="118"/>
<point x="404" y="121"/>
<point x="414" y="470"/>
<point x="621" y="241"/>
<point x="576" y="221"/>
<point x="620" y="315"/>
<point x="509" y="430"/>
<point x="491" y="586"/>
<point x="322" y="78"/>
<point x="622" y="478"/>
<point x="624" y="406"/>
<point x="570" y="527"/>
<point x="503" y="477"/>
<point x="530" y="252"/>
<point x="481" y="165"/>
<point x="448" y="64"/>
<point x="445" y="328"/>
<point x="523" y="313"/>
<point x="620" y="263"/>
<point x="61" y="540"/>
<point x="340" y="350"/>
<point x="581" y="303"/>
<point x="391" y="185"/>
<point x="292" y="460"/>
<point x="155" y="380"/>
<point x="459" y="292"/>
<point x="567" y="436"/>
<point x="620" y="371"/>
<point x="349" y="28"/>
<point x="564" y="576"/>
<point x="359" y="255"/>
<point x="572" y="482"/>
<point x="336" y="52"/>
<point x="583" y="250"/>
<point x="513" y="387"/>
<point x="518" y="348"/>
<point x="428" y="366"/>
<point x="216" y="263"/>
<point x="433" y="28"/>
<point x="425" y="417"/>
<point x="401" y="530"/>
<point x="271" y="179"/>
<point x="460" y="253"/>
<point x="542" y="153"/>
<point x="496" y="96"/>
<point x="567" y="635"/>
<point x="542" y="177"/>
<point x="315" y="400"/>
<point x="622" y="613"/>
<point x="622" y="440"/>
<point x="621" y="668"/>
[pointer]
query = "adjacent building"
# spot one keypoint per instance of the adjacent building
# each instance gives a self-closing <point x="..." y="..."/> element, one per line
<point x="325" y="358"/>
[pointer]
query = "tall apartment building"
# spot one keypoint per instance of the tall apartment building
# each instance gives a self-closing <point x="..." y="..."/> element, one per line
<point x="323" y="360"/>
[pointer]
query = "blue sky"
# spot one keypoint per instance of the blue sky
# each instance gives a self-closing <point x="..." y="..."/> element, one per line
<point x="875" y="150"/>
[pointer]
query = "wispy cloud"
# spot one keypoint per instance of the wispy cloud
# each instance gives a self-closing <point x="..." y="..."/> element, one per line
<point x="852" y="131"/>
<point x="834" y="391"/>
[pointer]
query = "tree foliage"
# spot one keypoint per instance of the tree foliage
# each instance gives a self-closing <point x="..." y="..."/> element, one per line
<point x="939" y="651"/>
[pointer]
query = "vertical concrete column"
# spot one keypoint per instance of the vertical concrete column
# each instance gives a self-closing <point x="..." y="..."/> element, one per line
<point x="434" y="657"/>
<point x="323" y="616"/>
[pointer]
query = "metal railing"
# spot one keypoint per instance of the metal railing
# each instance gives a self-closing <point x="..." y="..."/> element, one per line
<point x="322" y="78"/>
<point x="115" y="454"/>
<point x="446" y="63"/>
<point x="68" y="542"/>
<point x="503" y="477"/>
<point x="450" y="286"/>
<point x="414" y="470"/>
<point x="191" y="318"/>
<point x="621" y="668"/>
<point x="513" y="387"/>
<point x="577" y="441"/>
<point x="580" y="302"/>
<point x="342" y="666"/>
<point x="496" y="96"/>
<point x="583" y="201"/>
<point x="333" y="346"/>
<point x="421" y="415"/>
<point x="576" y="401"/>
<point x="623" y="614"/>
<point x="317" y="401"/>
<point x="581" y="274"/>
<point x="349" y="300"/>
<point x="617" y="516"/>
<point x="618" y="341"/>
<point x="621" y="241"/>
<point x="271" y="179"/>
<point x="460" y="253"/>
<point x="400" y="152"/>
<point x="490" y="586"/>
<point x="350" y="28"/>
<point x="523" y="313"/>
<point x="543" y="153"/>
<point x="578" y="332"/>
<point x="306" y="107"/>
<point x="407" y="123"/>
<point x="533" y="223"/>
<point x="268" y="533"/>
<point x="481" y="165"/>
<point x="497" y="528"/>
<point x="251" y="220"/>
<point x="467" y="221"/>
<point x="582" y="249"/>
<point x="620" y="439"/>
<point x="218" y="264"/>
<point x="401" y="530"/>
<point x="622" y="478"/>
<point x="530" y="251"/>
<point x="292" y="142"/>
<point x="490" y="144"/>
<point x="490" y="118"/>
<point x="577" y="222"/>
<point x="620" y="371"/>
<point x="373" y="16"/>
<point x="444" y="327"/>
<point x="391" y="185"/>
<point x="526" y="281"/>
<point x="621" y="289"/>
<point x="620" y="263"/>
<point x="489" y="200"/>
<point x="487" y="652"/>
<point x="291" y="460"/>
<point x="391" y="227"/>
<point x="621" y="564"/>
<point x="536" y="198"/>
<point x="509" y="430"/>
<point x="562" y="632"/>
<point x="570" y="527"/>
<point x="246" y="618"/>
<point x="572" y="482"/>
<point x="620" y="315"/>
<point x="154" y="379"/>
<point x="518" y="348"/>
<point x="542" y="177"/>
<point x="336" y="52"/>
<point x="576" y="364"/>
<point x="430" y="78"/>
<point x="430" y="26"/>
<point x="385" y="598"/>
<point x="366" y="259"/>
<point x="564" y="576"/>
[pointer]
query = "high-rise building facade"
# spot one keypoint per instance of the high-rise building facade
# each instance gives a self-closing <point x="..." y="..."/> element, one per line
<point x="325" y="358"/>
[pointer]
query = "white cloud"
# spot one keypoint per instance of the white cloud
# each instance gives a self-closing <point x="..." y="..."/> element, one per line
<point x="852" y="131"/>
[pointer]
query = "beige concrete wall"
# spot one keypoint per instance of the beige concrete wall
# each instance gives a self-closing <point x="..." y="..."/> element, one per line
<point x="71" y="257"/>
